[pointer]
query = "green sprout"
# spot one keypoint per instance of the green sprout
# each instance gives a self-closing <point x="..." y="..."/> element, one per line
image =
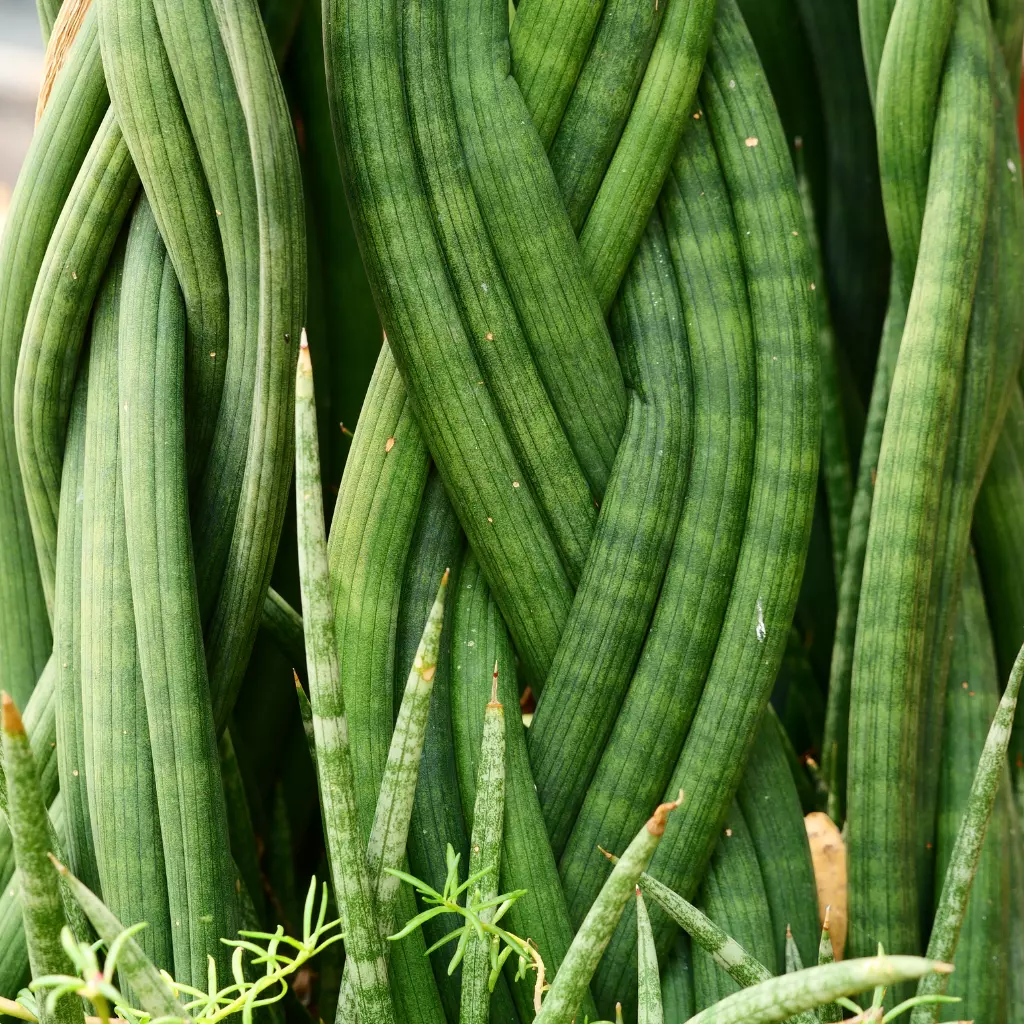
<point x="278" y="955"/>
<point x="502" y="943"/>
<point x="91" y="982"/>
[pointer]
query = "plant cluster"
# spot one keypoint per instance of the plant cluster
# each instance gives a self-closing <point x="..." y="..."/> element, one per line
<point x="683" y="343"/>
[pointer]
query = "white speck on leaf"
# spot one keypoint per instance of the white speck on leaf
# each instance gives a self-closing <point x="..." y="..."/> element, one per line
<point x="761" y="630"/>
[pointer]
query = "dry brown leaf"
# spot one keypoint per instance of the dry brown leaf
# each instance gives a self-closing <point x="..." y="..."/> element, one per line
<point x="828" y="852"/>
<point x="65" y="29"/>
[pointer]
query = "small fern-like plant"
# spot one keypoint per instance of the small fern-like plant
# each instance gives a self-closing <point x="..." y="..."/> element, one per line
<point x="501" y="943"/>
<point x="260" y="981"/>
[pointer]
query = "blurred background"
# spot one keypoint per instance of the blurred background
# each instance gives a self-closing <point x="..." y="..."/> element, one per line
<point x="21" y="64"/>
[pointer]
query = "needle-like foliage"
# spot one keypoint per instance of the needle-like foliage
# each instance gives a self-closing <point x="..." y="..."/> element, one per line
<point x="471" y="911"/>
<point x="259" y="979"/>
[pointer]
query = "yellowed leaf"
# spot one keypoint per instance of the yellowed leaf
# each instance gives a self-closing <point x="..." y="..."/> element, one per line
<point x="65" y="29"/>
<point x="828" y="852"/>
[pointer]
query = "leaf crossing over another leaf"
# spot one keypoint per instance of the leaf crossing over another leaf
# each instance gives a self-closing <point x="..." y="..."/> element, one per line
<point x="393" y="814"/>
<point x="743" y="968"/>
<point x="594" y="934"/>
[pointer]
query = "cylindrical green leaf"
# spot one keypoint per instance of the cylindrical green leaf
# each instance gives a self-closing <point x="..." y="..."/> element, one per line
<point x="570" y="984"/>
<point x="649" y="992"/>
<point x="42" y="909"/>
<point x="485" y="855"/>
<point x="345" y="844"/>
<point x="59" y="145"/>
<point x="186" y="768"/>
<point x="778" y="999"/>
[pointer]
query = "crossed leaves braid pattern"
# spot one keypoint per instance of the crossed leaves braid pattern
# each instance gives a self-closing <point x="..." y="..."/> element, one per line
<point x="535" y="414"/>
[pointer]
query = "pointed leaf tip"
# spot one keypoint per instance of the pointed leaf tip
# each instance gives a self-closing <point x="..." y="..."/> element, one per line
<point x="12" y="722"/>
<point x="61" y="869"/>
<point x="305" y="364"/>
<point x="494" y="688"/>
<point x="444" y="578"/>
<point x="658" y="820"/>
